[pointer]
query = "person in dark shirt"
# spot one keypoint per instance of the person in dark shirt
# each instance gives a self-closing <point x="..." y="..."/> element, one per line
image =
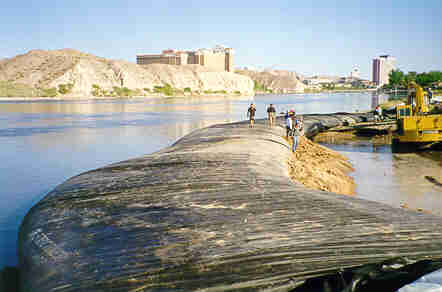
<point x="251" y="114"/>
<point x="271" y="112"/>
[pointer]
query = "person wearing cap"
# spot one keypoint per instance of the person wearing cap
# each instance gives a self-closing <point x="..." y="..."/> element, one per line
<point x="271" y="112"/>
<point x="251" y="114"/>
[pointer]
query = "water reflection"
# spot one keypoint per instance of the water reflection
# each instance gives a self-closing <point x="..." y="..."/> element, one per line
<point x="88" y="107"/>
<point x="378" y="98"/>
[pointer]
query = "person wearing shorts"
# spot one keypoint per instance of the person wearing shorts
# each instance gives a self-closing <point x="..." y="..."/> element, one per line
<point x="251" y="114"/>
<point x="271" y="112"/>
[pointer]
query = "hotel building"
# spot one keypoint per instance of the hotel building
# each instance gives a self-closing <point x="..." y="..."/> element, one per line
<point x="382" y="66"/>
<point x="219" y="58"/>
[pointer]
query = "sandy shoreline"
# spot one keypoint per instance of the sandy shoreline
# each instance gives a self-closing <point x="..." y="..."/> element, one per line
<point x="73" y="98"/>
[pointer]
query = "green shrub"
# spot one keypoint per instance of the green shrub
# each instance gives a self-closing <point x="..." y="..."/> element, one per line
<point x="187" y="89"/>
<point x="123" y="91"/>
<point x="237" y="92"/>
<point x="65" y="88"/>
<point x="10" y="89"/>
<point x="49" y="92"/>
<point x="166" y="90"/>
<point x="258" y="86"/>
<point x="96" y="90"/>
<point x="118" y="91"/>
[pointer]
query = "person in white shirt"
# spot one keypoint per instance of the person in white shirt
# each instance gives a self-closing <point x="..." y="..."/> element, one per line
<point x="288" y="124"/>
<point x="378" y="113"/>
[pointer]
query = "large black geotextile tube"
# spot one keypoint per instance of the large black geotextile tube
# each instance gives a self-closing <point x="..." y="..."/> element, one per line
<point x="216" y="210"/>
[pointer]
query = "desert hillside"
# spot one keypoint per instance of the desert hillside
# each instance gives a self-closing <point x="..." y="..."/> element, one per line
<point x="74" y="73"/>
<point x="277" y="81"/>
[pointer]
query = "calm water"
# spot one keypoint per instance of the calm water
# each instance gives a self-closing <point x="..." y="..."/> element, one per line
<point x="44" y="143"/>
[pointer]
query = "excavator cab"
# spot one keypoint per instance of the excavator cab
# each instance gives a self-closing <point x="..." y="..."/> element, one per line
<point x="402" y="112"/>
<point x="414" y="123"/>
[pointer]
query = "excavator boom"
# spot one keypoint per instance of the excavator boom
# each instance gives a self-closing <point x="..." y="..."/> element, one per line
<point x="421" y="98"/>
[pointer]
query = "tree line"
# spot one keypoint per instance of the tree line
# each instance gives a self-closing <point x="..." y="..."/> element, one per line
<point x="398" y="79"/>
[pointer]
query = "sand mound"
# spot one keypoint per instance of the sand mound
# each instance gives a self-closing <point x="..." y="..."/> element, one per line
<point x="320" y="168"/>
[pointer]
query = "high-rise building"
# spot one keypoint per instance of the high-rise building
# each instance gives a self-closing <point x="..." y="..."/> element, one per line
<point x="382" y="66"/>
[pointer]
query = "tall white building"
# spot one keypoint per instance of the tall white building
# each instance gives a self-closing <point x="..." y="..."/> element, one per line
<point x="382" y="66"/>
<point x="355" y="73"/>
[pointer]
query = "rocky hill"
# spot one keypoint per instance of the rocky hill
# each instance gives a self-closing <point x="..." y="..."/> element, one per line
<point x="277" y="81"/>
<point x="74" y="73"/>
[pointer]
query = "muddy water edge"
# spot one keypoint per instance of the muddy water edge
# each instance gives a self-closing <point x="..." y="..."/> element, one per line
<point x="407" y="180"/>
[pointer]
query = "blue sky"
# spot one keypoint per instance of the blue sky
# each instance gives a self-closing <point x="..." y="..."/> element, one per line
<point x="318" y="37"/>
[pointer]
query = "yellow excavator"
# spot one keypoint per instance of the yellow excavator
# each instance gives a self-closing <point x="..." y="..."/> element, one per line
<point x="415" y="125"/>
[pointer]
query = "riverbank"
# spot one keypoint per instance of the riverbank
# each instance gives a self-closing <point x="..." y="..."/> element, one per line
<point x="312" y="91"/>
<point x="91" y="97"/>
